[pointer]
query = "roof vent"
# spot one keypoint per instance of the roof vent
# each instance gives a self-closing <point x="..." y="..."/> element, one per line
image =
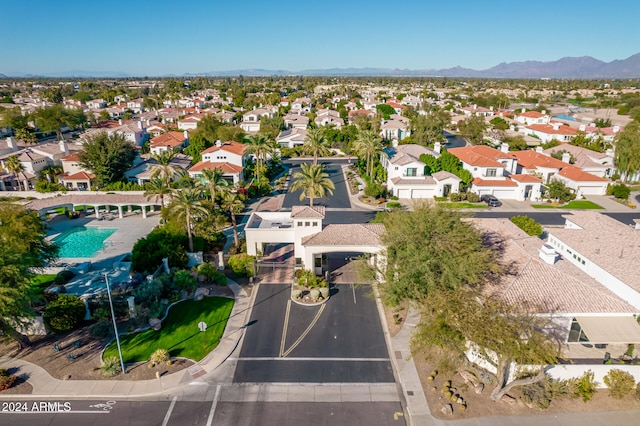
<point x="548" y="254"/>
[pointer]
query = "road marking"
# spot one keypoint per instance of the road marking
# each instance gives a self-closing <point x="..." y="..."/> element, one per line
<point x="266" y="358"/>
<point x="168" y="415"/>
<point x="353" y="288"/>
<point x="284" y="327"/>
<point x="304" y="333"/>
<point x="214" y="404"/>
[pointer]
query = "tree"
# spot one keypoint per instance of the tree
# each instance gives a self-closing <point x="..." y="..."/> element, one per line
<point x="157" y="187"/>
<point x="385" y="110"/>
<point x="197" y="144"/>
<point x="186" y="203"/>
<point x="472" y="129"/>
<point x="432" y="249"/>
<point x="23" y="249"/>
<point x="26" y="135"/>
<point x="368" y="145"/>
<point x="64" y="313"/>
<point x="313" y="181"/>
<point x="516" y="143"/>
<point x="233" y="203"/>
<point x="13" y="165"/>
<point x="557" y="189"/>
<point x="214" y="180"/>
<point x="13" y="117"/>
<point x="107" y="156"/>
<point x="428" y="129"/>
<point x="627" y="153"/>
<point x="528" y="225"/>
<point x="316" y="144"/>
<point x="164" y="168"/>
<point x="55" y="117"/>
<point x="259" y="146"/>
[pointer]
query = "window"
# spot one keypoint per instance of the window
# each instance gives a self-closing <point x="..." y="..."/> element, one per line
<point x="315" y="223"/>
<point x="491" y="172"/>
<point x="412" y="171"/>
<point x="307" y="224"/>
<point x="299" y="223"/>
<point x="318" y="262"/>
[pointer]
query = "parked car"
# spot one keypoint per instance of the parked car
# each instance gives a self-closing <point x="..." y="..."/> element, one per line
<point x="491" y="200"/>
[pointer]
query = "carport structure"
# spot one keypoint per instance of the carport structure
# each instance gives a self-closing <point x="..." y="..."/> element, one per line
<point x="96" y="201"/>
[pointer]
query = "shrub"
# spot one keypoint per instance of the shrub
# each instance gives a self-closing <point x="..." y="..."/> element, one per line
<point x="309" y="279"/>
<point x="620" y="191"/>
<point x="147" y="253"/>
<point x="184" y="280"/>
<point x="64" y="277"/>
<point x="324" y="292"/>
<point x="160" y="356"/>
<point x="472" y="197"/>
<point x="242" y="264"/>
<point x="110" y="366"/>
<point x="620" y="383"/>
<point x="528" y="225"/>
<point x="435" y="197"/>
<point x="394" y="205"/>
<point x="584" y="386"/>
<point x="315" y="294"/>
<point x="542" y="393"/>
<point x="297" y="294"/>
<point x="148" y="291"/>
<point x="64" y="313"/>
<point x="207" y="270"/>
<point x="6" y="379"/>
<point x="375" y="190"/>
<point x="455" y="196"/>
<point x="220" y="278"/>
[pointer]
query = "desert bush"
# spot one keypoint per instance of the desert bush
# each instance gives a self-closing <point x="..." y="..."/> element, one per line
<point x="160" y="356"/>
<point x="324" y="292"/>
<point x="472" y="197"/>
<point x="455" y="196"/>
<point x="620" y="383"/>
<point x="64" y="313"/>
<point x="296" y="294"/>
<point x="242" y="264"/>
<point x="148" y="291"/>
<point x="584" y="386"/>
<point x="620" y="191"/>
<point x="309" y="279"/>
<point x="545" y="391"/>
<point x="207" y="270"/>
<point x="6" y="379"/>
<point x="110" y="366"/>
<point x="528" y="225"/>
<point x="375" y="190"/>
<point x="315" y="294"/>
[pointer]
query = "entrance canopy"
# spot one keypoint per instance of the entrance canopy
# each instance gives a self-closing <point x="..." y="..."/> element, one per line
<point x="614" y="329"/>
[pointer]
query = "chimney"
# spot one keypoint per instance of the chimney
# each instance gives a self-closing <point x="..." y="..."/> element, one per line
<point x="539" y="149"/>
<point x="148" y="123"/>
<point x="524" y="110"/>
<point x="548" y="254"/>
<point x="218" y="143"/>
<point x="504" y="147"/>
<point x="637" y="222"/>
<point x="491" y="108"/>
<point x="556" y="126"/>
<point x="544" y="112"/>
<point x="185" y="134"/>
<point x="63" y="146"/>
<point x="616" y="129"/>
<point x="11" y="143"/>
<point x="140" y="126"/>
<point x="437" y="147"/>
<point x="120" y="121"/>
<point x="394" y="143"/>
<point x="197" y="110"/>
<point x="582" y="128"/>
<point x="566" y="157"/>
<point x="475" y="106"/>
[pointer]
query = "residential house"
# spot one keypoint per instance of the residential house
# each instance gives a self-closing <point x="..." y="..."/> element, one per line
<point x="370" y="105"/>
<point x="397" y="106"/>
<point x="302" y="105"/>
<point x="135" y="105"/>
<point x="495" y="172"/>
<point x="411" y="100"/>
<point x="170" y="141"/>
<point x="190" y="122"/>
<point x="296" y="121"/>
<point x="394" y="130"/>
<point x="143" y="172"/>
<point x="225" y="116"/>
<point x="230" y="157"/>
<point x="97" y="104"/>
<point x="405" y="173"/>
<point x="353" y="114"/>
<point x="597" y="163"/>
<point x="528" y="118"/>
<point x="548" y="168"/>
<point x="478" y="111"/>
<point x="134" y="132"/>
<point x="608" y="134"/>
<point x="328" y="117"/>
<point x="291" y="137"/>
<point x="79" y="181"/>
<point x="251" y="119"/>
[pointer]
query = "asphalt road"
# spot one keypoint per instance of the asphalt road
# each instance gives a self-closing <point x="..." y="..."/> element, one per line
<point x="551" y="218"/>
<point x="340" y="197"/>
<point x="207" y="413"/>
<point x="338" y="342"/>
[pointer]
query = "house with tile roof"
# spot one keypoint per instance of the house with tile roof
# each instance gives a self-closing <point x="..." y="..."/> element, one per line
<point x="548" y="132"/>
<point x="296" y="121"/>
<point x="477" y="111"/>
<point x="495" y="173"/>
<point x="229" y="156"/>
<point x="170" y="141"/>
<point x="597" y="163"/>
<point x="190" y="122"/>
<point x="329" y="117"/>
<point x="531" y="117"/>
<point x="405" y="173"/>
<point x="394" y="130"/>
<point x="291" y="137"/>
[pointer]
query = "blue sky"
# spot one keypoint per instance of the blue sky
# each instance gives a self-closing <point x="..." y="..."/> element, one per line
<point x="160" y="37"/>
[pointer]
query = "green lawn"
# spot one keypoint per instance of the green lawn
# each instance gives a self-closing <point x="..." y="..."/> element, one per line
<point x="573" y="205"/>
<point x="179" y="333"/>
<point x="42" y="281"/>
<point x="463" y="205"/>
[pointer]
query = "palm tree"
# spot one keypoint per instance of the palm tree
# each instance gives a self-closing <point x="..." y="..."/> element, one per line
<point x="368" y="145"/>
<point x="157" y="187"/>
<point x="13" y="165"/>
<point x="188" y="204"/>
<point x="315" y="143"/>
<point x="50" y="173"/>
<point x="164" y="168"/>
<point x="233" y="203"/>
<point x="260" y="146"/>
<point x="26" y="135"/>
<point x="313" y="181"/>
<point x="214" y="181"/>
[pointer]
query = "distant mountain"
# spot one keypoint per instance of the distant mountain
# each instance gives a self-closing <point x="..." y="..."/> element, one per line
<point x="583" y="67"/>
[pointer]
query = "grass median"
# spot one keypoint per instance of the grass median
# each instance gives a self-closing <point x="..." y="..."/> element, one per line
<point x="179" y="333"/>
<point x="572" y="205"/>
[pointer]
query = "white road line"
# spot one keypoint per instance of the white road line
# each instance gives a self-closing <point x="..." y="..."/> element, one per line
<point x="214" y="404"/>
<point x="353" y="288"/>
<point x="168" y="415"/>
<point x="284" y="327"/>
<point x="265" y="358"/>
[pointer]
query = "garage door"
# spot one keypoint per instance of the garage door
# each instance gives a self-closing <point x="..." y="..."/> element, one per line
<point x="507" y="195"/>
<point x="422" y="193"/>
<point x="404" y="193"/>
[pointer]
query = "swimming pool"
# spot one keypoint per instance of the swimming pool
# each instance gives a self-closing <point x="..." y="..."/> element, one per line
<point x="564" y="117"/>
<point x="82" y="241"/>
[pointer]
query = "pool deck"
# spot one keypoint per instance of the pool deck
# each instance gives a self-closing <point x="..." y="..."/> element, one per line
<point x="129" y="230"/>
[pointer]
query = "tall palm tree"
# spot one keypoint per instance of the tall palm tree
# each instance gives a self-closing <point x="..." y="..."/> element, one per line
<point x="315" y="143"/>
<point x="164" y="168"/>
<point x="214" y="181"/>
<point x="50" y="173"/>
<point x="313" y="181"/>
<point x="233" y="203"/>
<point x="26" y="135"/>
<point x="157" y="187"/>
<point x="188" y="204"/>
<point x="368" y="146"/>
<point x="13" y="165"/>
<point x="260" y="146"/>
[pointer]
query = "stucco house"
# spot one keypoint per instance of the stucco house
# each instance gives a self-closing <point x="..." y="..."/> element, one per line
<point x="597" y="163"/>
<point x="528" y="118"/>
<point x="291" y="137"/>
<point x="405" y="173"/>
<point x="548" y="132"/>
<point x="394" y="130"/>
<point x="230" y="157"/>
<point x="170" y="141"/>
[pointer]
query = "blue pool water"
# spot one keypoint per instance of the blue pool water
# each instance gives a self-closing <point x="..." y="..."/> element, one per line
<point x="82" y="241"/>
<point x="564" y="117"/>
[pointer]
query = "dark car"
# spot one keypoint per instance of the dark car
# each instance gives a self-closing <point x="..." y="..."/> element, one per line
<point x="491" y="200"/>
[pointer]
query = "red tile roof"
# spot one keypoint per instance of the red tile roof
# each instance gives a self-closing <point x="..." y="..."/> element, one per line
<point x="550" y="130"/>
<point x="478" y="155"/>
<point x="79" y="176"/>
<point x="531" y="114"/>
<point x="488" y="182"/>
<point x="526" y="178"/>
<point x="577" y="175"/>
<point x="227" y="168"/>
<point x="171" y="139"/>
<point x="230" y="146"/>
<point x="530" y="159"/>
<point x="71" y="157"/>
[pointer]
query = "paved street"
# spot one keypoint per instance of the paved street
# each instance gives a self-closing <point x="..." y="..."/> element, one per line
<point x="340" y="197"/>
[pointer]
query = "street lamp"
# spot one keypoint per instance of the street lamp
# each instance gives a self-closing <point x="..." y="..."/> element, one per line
<point x="115" y="327"/>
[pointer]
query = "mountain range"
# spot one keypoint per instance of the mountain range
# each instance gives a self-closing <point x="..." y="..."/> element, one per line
<point x="583" y="67"/>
